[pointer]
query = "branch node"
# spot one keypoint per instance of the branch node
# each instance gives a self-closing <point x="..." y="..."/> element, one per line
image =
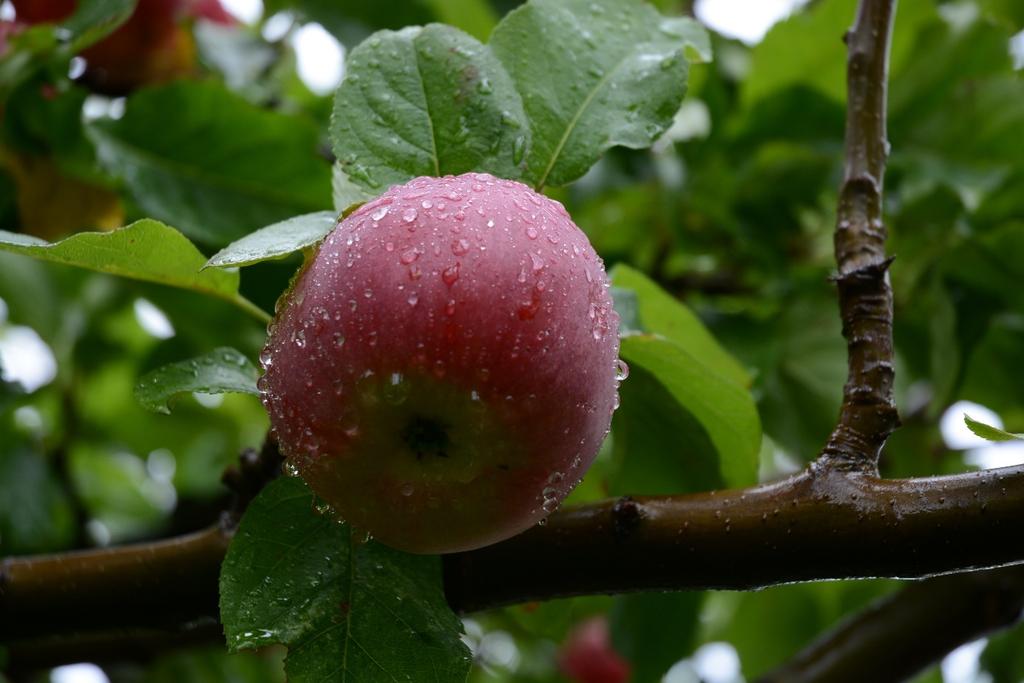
<point x="626" y="517"/>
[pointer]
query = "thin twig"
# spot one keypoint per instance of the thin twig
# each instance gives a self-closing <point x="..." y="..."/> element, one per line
<point x="868" y="414"/>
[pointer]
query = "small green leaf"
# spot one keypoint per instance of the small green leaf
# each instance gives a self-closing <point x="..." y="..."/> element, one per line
<point x="426" y="101"/>
<point x="145" y="250"/>
<point x="222" y="371"/>
<point x="275" y="241"/>
<point x="348" y="609"/>
<point x="724" y="409"/>
<point x="659" y="313"/>
<point x="217" y="166"/>
<point x="592" y="74"/>
<point x="989" y="432"/>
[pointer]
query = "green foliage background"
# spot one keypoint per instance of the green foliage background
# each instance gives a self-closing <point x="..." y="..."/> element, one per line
<point x="729" y="212"/>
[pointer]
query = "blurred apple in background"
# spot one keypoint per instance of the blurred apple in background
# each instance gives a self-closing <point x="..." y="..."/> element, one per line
<point x="587" y="655"/>
<point x="153" y="46"/>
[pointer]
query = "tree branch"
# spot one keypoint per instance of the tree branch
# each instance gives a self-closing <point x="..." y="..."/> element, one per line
<point x="887" y="642"/>
<point x="152" y="585"/>
<point x="868" y="414"/>
<point x="820" y="524"/>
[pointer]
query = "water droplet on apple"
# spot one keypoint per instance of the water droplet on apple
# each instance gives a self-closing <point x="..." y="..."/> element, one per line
<point x="410" y="255"/>
<point x="621" y="370"/>
<point x="379" y="213"/>
<point x="450" y="274"/>
<point x="550" y="503"/>
<point x="409" y="215"/>
<point x="322" y="508"/>
<point x="460" y="247"/>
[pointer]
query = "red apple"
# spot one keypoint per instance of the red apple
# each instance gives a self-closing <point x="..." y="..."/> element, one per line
<point x="588" y="657"/>
<point x="444" y="370"/>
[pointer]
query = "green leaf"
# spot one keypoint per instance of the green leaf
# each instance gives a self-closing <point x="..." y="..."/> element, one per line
<point x="659" y="313"/>
<point x="348" y="610"/>
<point x="221" y="371"/>
<point x="197" y="155"/>
<point x="724" y="410"/>
<point x="145" y="250"/>
<point x="276" y="241"/>
<point x="426" y="101"/>
<point x="592" y="74"/>
<point x="655" y="630"/>
<point x="989" y="432"/>
<point x="658" y="447"/>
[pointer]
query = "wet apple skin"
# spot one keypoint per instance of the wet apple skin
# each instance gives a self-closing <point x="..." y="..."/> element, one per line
<point x="443" y="372"/>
